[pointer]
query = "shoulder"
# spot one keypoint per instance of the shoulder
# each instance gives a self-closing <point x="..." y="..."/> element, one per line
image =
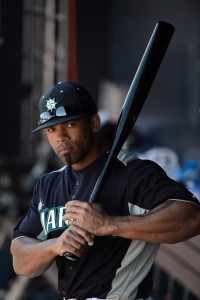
<point x="125" y="156"/>
<point x="142" y="165"/>
<point x="52" y="176"/>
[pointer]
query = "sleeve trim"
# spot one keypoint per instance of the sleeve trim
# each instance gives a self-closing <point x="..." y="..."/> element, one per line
<point x="183" y="200"/>
<point x="19" y="237"/>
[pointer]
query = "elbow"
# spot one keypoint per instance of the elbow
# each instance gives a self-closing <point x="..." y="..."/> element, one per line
<point x="185" y="231"/>
<point x="24" y="273"/>
<point x="192" y="227"/>
<point x="21" y="270"/>
<point x="189" y="225"/>
<point x="19" y="265"/>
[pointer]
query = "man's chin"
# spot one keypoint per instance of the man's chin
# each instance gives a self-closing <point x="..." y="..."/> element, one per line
<point x="67" y="160"/>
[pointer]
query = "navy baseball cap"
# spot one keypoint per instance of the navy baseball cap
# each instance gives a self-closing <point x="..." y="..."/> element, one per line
<point x="64" y="102"/>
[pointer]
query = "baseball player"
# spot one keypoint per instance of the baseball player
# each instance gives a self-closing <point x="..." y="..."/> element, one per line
<point x="116" y="240"/>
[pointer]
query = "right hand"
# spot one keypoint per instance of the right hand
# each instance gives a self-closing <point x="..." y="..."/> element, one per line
<point x="72" y="240"/>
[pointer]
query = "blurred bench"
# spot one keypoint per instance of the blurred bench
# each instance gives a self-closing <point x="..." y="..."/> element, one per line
<point x="181" y="262"/>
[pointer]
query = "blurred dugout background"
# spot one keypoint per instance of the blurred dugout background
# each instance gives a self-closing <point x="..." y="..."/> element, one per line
<point x="100" y="44"/>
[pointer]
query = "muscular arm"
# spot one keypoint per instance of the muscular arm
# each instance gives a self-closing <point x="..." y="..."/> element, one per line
<point x="171" y="222"/>
<point x="32" y="257"/>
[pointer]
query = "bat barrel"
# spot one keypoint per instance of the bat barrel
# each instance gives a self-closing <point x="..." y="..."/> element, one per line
<point x="136" y="96"/>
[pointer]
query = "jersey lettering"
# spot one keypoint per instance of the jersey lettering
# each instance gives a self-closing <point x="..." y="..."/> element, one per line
<point x="51" y="219"/>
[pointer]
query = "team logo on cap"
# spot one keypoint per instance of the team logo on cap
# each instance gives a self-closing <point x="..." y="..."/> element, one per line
<point x="51" y="104"/>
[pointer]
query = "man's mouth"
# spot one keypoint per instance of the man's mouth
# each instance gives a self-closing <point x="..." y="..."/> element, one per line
<point x="65" y="150"/>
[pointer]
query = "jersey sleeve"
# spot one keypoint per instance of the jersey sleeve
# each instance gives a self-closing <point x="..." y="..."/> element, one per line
<point x="30" y="224"/>
<point x="150" y="186"/>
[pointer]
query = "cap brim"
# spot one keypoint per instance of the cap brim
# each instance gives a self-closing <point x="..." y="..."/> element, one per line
<point x="56" y="120"/>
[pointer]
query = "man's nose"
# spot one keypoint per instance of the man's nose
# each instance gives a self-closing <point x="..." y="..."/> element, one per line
<point x="62" y="135"/>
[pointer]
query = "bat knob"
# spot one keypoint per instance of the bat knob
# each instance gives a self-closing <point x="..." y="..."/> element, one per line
<point x="70" y="256"/>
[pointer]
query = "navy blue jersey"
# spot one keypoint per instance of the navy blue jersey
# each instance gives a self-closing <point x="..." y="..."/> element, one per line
<point x="115" y="267"/>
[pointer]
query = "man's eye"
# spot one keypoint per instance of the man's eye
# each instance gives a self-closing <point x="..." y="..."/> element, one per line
<point x="50" y="129"/>
<point x="71" y="124"/>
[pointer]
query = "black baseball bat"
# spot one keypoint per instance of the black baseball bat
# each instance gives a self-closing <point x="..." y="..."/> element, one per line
<point x="135" y="99"/>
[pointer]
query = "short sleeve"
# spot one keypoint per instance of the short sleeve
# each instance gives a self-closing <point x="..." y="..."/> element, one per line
<point x="30" y="224"/>
<point x="149" y="186"/>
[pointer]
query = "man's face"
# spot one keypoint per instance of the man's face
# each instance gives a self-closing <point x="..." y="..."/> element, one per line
<point x="73" y="141"/>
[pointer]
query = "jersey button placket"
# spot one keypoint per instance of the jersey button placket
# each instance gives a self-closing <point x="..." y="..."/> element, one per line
<point x="76" y="186"/>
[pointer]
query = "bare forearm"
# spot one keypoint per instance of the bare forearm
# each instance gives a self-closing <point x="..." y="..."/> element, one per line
<point x="31" y="257"/>
<point x="171" y="224"/>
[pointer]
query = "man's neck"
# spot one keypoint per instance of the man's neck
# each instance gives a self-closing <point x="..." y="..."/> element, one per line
<point x="92" y="155"/>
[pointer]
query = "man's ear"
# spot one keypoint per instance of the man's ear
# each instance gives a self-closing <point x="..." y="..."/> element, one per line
<point x="96" y="122"/>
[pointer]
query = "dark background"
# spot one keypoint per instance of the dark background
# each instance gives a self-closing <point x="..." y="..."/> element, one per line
<point x="111" y="39"/>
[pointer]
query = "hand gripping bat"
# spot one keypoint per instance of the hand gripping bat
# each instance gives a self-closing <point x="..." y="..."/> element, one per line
<point x="134" y="101"/>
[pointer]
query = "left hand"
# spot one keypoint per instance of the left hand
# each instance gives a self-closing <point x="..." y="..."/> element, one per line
<point x="91" y="216"/>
